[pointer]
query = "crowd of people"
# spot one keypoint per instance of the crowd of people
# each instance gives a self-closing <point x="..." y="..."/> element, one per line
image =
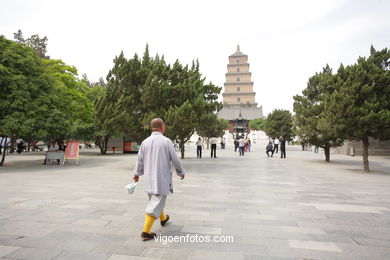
<point x="22" y="146"/>
<point x="242" y="145"/>
<point x="5" y="142"/>
<point x="273" y="147"/>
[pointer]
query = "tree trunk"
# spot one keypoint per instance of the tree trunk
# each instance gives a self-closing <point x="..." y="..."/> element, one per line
<point x="4" y="145"/>
<point x="365" y="154"/>
<point x="102" y="142"/>
<point x="103" y="149"/>
<point x="106" y="138"/>
<point x="327" y="153"/>
<point x="182" y="148"/>
<point x="13" y="146"/>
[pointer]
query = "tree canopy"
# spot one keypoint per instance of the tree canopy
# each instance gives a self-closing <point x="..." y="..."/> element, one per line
<point x="41" y="99"/>
<point x="258" y="124"/>
<point x="310" y="112"/>
<point x="38" y="44"/>
<point x="359" y="107"/>
<point x="279" y="123"/>
<point x="353" y="104"/>
<point x="211" y="126"/>
<point x="148" y="87"/>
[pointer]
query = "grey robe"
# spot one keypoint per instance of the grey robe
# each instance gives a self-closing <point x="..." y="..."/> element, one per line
<point x="154" y="162"/>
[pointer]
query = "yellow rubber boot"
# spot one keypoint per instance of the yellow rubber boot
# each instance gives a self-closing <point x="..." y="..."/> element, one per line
<point x="163" y="216"/>
<point x="149" y="220"/>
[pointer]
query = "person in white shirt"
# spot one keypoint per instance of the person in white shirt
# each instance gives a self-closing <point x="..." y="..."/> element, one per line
<point x="241" y="146"/>
<point x="4" y="144"/>
<point x="276" y="145"/>
<point x="213" y="142"/>
<point x="20" y="145"/>
<point x="154" y="162"/>
<point x="199" y="147"/>
<point x="53" y="148"/>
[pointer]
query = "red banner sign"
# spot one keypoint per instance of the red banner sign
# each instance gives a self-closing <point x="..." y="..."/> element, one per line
<point x="72" y="150"/>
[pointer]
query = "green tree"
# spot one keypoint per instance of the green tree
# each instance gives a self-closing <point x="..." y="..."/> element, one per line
<point x="211" y="126"/>
<point x="258" y="124"/>
<point x="187" y="89"/>
<point x="181" y="123"/>
<point x="40" y="98"/>
<point x="127" y="82"/>
<point x="69" y="111"/>
<point x="359" y="108"/>
<point x="310" y="112"/>
<point x="279" y="123"/>
<point x="105" y="124"/>
<point x="23" y="87"/>
<point x="35" y="42"/>
<point x="149" y="87"/>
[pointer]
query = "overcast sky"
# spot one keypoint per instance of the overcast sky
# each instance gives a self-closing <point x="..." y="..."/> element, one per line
<point x="286" y="41"/>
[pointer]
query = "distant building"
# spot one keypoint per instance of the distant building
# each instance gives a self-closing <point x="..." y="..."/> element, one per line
<point x="239" y="105"/>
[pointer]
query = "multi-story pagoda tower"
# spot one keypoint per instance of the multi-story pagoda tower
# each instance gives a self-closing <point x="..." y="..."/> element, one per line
<point x="238" y="96"/>
<point x="238" y="85"/>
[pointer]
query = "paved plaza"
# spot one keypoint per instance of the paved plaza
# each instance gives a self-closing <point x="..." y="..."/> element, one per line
<point x="294" y="208"/>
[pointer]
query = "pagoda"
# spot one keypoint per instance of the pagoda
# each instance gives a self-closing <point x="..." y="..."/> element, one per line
<point x="239" y="105"/>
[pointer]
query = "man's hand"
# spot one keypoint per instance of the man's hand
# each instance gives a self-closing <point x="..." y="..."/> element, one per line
<point x="181" y="177"/>
<point x="135" y="178"/>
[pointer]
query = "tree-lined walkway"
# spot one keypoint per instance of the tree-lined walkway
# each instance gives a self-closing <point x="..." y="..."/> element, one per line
<point x="299" y="207"/>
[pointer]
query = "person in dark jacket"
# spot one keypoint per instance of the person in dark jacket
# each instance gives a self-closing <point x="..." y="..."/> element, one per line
<point x="282" y="147"/>
<point x="236" y="143"/>
<point x="269" y="148"/>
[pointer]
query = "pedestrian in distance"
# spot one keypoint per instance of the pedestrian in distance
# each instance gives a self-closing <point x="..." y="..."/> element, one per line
<point x="223" y="142"/>
<point x="20" y="145"/>
<point x="236" y="145"/>
<point x="199" y="147"/>
<point x="282" y="147"/>
<point x="5" y="143"/>
<point x="241" y="145"/>
<point x="246" y="145"/>
<point x="154" y="163"/>
<point x="269" y="148"/>
<point x="213" y="142"/>
<point x="276" y="145"/>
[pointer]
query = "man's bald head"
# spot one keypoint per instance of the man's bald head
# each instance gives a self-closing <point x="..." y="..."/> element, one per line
<point x="157" y="124"/>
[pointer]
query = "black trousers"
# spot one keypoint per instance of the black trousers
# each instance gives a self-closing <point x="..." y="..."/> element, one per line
<point x="214" y="150"/>
<point x="282" y="152"/>
<point x="267" y="152"/>
<point x="20" y="148"/>
<point x="199" y="151"/>
<point x="276" y="148"/>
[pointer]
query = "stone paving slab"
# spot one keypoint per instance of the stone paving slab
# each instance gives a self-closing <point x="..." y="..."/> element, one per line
<point x="27" y="253"/>
<point x="294" y="208"/>
<point x="128" y="257"/>
<point x="314" y="245"/>
<point x="5" y="250"/>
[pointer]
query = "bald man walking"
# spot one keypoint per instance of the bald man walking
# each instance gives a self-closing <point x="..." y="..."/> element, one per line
<point x="154" y="162"/>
